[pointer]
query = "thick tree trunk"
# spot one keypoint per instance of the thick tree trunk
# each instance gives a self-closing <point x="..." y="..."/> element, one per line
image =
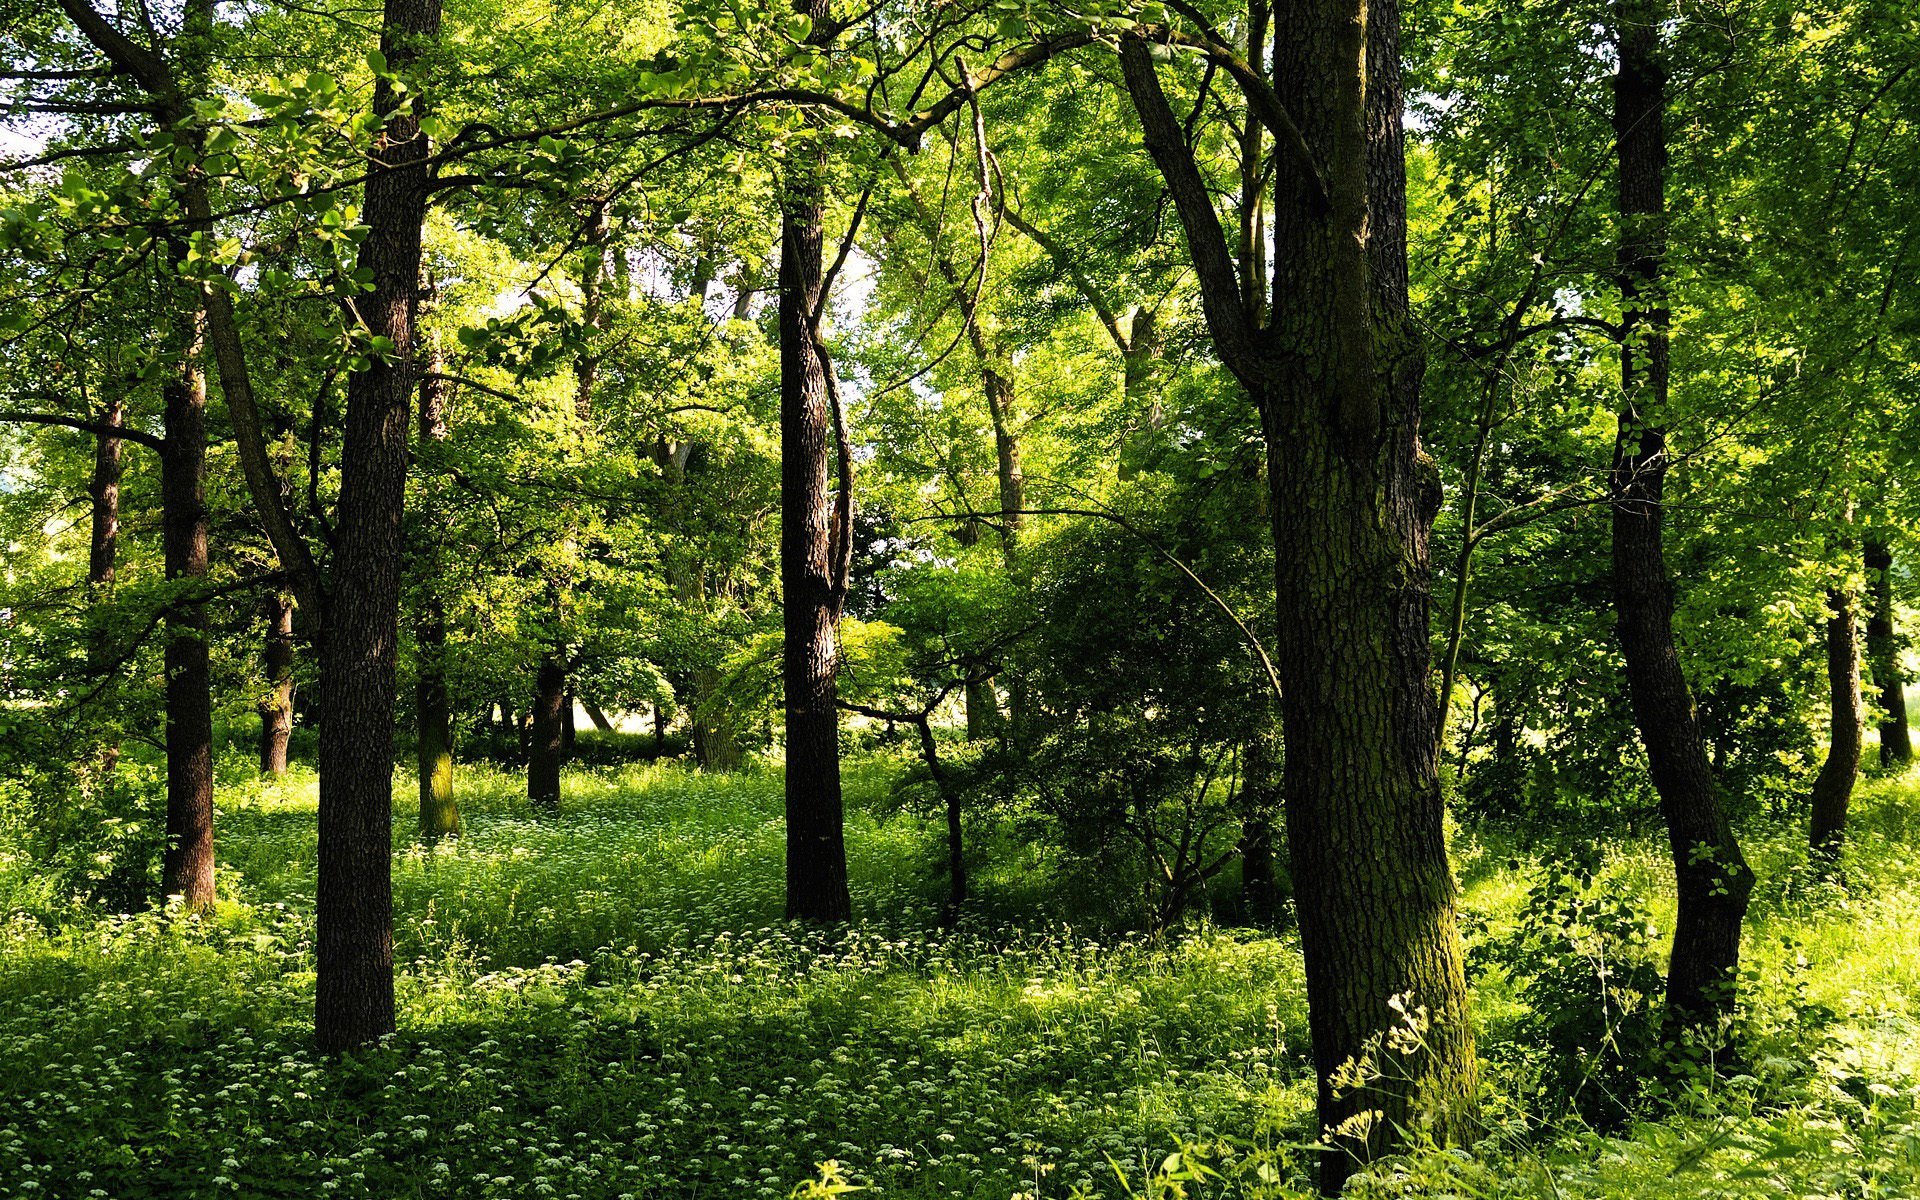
<point x="1896" y="744"/>
<point x="1337" y="376"/>
<point x="816" y="848"/>
<point x="568" y="734"/>
<point x="354" y="993"/>
<point x="1712" y="876"/>
<point x="103" y="548"/>
<point x="1833" y="787"/>
<point x="544" y="745"/>
<point x="187" y="865"/>
<point x="276" y="707"/>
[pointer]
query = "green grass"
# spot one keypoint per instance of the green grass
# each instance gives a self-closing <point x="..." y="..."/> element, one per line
<point x="608" y="1005"/>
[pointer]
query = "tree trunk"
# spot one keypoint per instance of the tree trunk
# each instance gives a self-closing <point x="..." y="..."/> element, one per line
<point x="710" y="723"/>
<point x="1896" y="745"/>
<point x="544" y="746"/>
<point x="1336" y="376"/>
<point x="276" y="707"/>
<point x="598" y="718"/>
<point x="1712" y="876"/>
<point x="816" y="848"/>
<point x="103" y="547"/>
<point x="950" y="800"/>
<point x="433" y="709"/>
<point x="187" y="865"/>
<point x="568" y="734"/>
<point x="1259" y="808"/>
<point x="354" y="992"/>
<point x="1833" y="787"/>
<point x="433" y="715"/>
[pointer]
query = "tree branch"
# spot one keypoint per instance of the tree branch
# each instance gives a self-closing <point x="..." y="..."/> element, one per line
<point x="97" y="428"/>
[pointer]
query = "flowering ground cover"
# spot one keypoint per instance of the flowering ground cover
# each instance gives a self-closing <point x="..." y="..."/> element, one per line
<point x="608" y="1005"/>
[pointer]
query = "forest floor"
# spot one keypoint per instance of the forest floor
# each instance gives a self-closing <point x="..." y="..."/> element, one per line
<point x="606" y="1005"/>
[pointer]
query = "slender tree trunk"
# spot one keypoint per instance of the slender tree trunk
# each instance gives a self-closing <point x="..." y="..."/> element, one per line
<point x="1711" y="874"/>
<point x="187" y="865"/>
<point x="354" y="993"/>
<point x="433" y="715"/>
<point x="1896" y="745"/>
<point x="568" y="734"/>
<point x="1833" y="787"/>
<point x="1336" y="375"/>
<point x="816" y="848"/>
<point x="433" y="709"/>
<point x="544" y="747"/>
<point x="276" y="707"/>
<point x="1259" y="809"/>
<point x="598" y="718"/>
<point x="103" y="547"/>
<point x="950" y="799"/>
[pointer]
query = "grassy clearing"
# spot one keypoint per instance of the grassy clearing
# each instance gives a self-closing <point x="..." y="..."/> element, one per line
<point x="608" y="1005"/>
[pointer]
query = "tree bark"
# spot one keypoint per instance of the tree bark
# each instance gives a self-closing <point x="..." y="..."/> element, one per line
<point x="103" y="547"/>
<point x="1896" y="744"/>
<point x="544" y="745"/>
<point x="276" y="707"/>
<point x="1336" y="375"/>
<point x="816" y="846"/>
<point x="1833" y="787"/>
<point x="598" y="718"/>
<point x="1712" y="876"/>
<point x="187" y="864"/>
<point x="354" y="992"/>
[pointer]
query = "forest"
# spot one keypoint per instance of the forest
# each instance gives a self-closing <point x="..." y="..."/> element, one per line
<point x="1004" y="599"/>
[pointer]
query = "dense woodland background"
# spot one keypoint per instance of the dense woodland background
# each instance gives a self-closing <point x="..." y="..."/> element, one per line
<point x="989" y="599"/>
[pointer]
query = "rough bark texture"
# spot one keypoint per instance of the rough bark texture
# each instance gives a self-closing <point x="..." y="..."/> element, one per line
<point x="276" y="706"/>
<point x="1336" y="375"/>
<point x="545" y="743"/>
<point x="103" y="489"/>
<point x="1833" y="787"/>
<point x="103" y="546"/>
<point x="1896" y="744"/>
<point x="354" y="993"/>
<point x="1712" y="876"/>
<point x="187" y="864"/>
<point x="816" y="847"/>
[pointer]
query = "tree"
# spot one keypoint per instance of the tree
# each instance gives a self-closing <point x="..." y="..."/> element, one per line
<point x="1712" y="875"/>
<point x="1335" y="374"/>
<point x="814" y="533"/>
<point x="354" y="998"/>
<point x="1896" y="745"/>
